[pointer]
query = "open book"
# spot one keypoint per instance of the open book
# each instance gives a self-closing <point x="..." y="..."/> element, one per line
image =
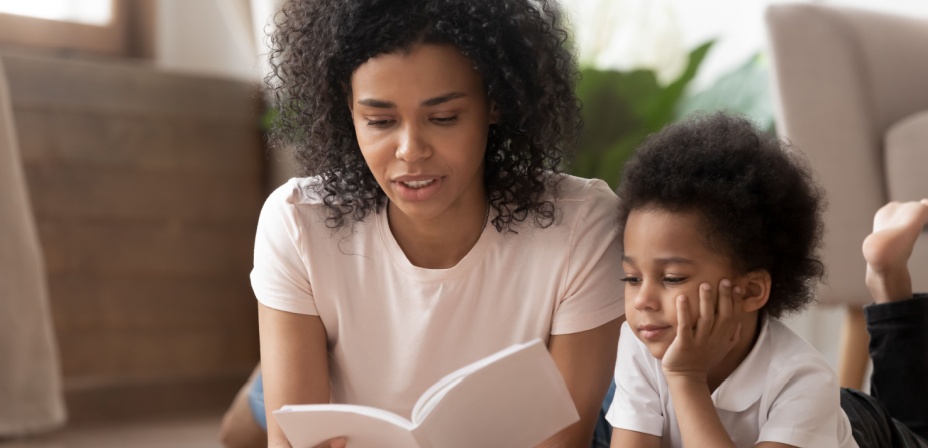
<point x="513" y="398"/>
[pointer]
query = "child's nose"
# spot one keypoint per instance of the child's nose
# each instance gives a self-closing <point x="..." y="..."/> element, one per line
<point x="647" y="299"/>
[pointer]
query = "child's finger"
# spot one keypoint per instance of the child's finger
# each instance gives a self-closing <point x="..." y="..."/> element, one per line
<point x="737" y="307"/>
<point x="684" y="320"/>
<point x="706" y="320"/>
<point x="725" y="299"/>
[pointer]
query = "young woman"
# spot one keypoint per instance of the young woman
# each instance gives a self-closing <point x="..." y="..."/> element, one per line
<point x="433" y="226"/>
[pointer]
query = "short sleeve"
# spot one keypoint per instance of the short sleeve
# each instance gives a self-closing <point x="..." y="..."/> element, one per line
<point x="806" y="409"/>
<point x="279" y="278"/>
<point x="594" y="288"/>
<point x="637" y="405"/>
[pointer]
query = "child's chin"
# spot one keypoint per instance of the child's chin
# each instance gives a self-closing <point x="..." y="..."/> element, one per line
<point x="658" y="352"/>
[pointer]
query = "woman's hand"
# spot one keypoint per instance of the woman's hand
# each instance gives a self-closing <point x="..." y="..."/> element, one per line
<point x="338" y="442"/>
<point x="702" y="341"/>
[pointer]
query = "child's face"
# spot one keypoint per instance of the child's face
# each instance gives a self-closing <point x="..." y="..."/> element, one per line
<point x="666" y="256"/>
<point x="422" y="119"/>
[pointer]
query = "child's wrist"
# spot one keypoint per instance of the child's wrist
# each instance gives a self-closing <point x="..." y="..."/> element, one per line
<point x="687" y="377"/>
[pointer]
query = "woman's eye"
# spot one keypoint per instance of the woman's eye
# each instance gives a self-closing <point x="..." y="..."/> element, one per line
<point x="379" y="123"/>
<point x="631" y="280"/>
<point x="445" y="120"/>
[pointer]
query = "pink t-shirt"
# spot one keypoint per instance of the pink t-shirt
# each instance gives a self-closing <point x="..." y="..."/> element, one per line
<point x="394" y="329"/>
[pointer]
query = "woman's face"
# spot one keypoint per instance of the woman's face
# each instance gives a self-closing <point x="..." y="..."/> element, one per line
<point x="421" y="119"/>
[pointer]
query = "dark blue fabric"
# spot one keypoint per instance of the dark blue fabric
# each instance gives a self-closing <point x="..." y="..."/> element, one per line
<point x="602" y="433"/>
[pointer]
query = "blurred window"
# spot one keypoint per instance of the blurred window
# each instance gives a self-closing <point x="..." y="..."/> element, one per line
<point x="110" y="27"/>
<point x="88" y="12"/>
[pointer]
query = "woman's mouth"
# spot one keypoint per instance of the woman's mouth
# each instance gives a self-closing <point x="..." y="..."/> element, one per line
<point x="414" y="190"/>
<point x="417" y="184"/>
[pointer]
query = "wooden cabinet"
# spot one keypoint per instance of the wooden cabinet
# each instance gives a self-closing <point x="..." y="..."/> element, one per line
<point x="146" y="188"/>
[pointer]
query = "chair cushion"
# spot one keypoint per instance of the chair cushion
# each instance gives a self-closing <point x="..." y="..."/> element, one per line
<point x="906" y="158"/>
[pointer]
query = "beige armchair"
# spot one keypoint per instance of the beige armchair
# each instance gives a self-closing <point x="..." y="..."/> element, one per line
<point x="852" y="88"/>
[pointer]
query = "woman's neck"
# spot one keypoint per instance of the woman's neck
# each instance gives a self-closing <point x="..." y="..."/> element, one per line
<point x="442" y="242"/>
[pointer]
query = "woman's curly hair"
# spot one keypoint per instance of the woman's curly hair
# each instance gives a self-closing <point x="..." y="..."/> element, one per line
<point x="757" y="199"/>
<point x="518" y="46"/>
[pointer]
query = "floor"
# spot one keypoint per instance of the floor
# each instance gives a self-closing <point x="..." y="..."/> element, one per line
<point x="194" y="432"/>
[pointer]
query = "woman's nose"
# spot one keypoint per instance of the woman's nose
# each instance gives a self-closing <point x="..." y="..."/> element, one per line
<point x="412" y="146"/>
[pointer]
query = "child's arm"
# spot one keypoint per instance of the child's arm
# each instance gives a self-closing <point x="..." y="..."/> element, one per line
<point x="700" y="344"/>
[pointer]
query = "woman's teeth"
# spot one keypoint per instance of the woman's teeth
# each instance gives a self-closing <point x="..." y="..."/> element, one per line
<point x="418" y="183"/>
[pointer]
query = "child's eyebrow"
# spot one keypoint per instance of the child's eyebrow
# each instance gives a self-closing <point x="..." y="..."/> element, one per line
<point x="662" y="260"/>
<point x="674" y="260"/>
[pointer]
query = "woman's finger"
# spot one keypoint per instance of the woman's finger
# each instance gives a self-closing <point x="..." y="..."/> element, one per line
<point x="339" y="442"/>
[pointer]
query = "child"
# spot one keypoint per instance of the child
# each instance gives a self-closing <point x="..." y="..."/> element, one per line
<point x="433" y="226"/>
<point x="721" y="227"/>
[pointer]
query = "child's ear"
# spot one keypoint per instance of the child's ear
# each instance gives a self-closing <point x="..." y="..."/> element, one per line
<point x="756" y="286"/>
<point x="495" y="114"/>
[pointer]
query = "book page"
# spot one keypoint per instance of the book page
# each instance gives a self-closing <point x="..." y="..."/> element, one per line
<point x="516" y="400"/>
<point x="434" y="394"/>
<point x="308" y="425"/>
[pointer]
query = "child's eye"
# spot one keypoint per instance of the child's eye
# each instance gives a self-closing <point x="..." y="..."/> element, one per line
<point x="631" y="280"/>
<point x="674" y="280"/>
<point x="445" y="120"/>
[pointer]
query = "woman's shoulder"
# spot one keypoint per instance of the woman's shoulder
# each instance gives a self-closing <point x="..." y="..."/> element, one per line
<point x="568" y="188"/>
<point x="297" y="191"/>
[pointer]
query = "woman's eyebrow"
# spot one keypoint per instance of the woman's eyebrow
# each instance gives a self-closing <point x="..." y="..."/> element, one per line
<point x="382" y="104"/>
<point x="443" y="98"/>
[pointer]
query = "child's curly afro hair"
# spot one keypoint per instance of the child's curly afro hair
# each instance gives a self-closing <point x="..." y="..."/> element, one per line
<point x="758" y="201"/>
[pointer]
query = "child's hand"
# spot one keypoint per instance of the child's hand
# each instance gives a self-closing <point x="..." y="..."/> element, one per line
<point x="703" y="341"/>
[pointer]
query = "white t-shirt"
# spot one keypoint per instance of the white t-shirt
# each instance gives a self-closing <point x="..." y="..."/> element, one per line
<point x="782" y="392"/>
<point x="394" y="329"/>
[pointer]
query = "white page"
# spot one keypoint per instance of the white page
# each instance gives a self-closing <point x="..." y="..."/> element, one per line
<point x="517" y="401"/>
<point x="434" y="394"/>
<point x="366" y="427"/>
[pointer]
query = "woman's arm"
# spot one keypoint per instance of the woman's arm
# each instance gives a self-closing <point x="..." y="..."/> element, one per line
<point x="623" y="438"/>
<point x="294" y="363"/>
<point x="586" y="361"/>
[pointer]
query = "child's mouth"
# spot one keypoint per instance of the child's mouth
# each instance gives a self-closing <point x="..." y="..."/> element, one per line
<point x="652" y="332"/>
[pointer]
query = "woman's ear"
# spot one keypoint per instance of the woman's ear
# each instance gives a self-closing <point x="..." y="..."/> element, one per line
<point x="756" y="286"/>
<point x="349" y="97"/>
<point x="495" y="114"/>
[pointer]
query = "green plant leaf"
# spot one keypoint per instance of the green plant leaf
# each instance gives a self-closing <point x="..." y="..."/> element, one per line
<point x="745" y="90"/>
<point x="620" y="109"/>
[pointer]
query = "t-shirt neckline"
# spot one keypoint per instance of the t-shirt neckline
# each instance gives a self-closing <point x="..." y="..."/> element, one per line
<point x="396" y="253"/>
